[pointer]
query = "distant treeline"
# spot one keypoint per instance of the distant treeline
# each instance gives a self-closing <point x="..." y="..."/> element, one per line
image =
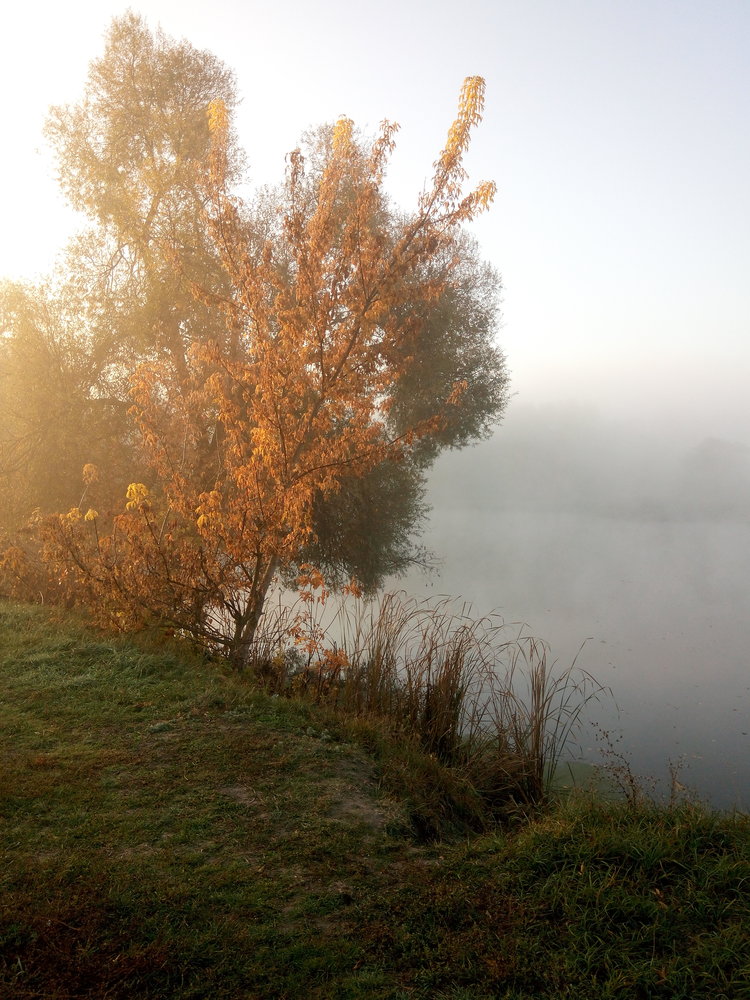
<point x="567" y="459"/>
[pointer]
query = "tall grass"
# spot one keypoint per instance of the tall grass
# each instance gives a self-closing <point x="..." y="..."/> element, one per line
<point x="478" y="695"/>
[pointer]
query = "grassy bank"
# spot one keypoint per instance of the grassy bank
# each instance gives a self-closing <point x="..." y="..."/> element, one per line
<point x="166" y="831"/>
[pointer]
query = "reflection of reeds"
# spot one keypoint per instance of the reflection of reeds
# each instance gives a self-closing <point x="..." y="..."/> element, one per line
<point x="488" y="705"/>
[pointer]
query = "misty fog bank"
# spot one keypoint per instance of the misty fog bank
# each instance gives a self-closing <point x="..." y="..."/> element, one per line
<point x="564" y="458"/>
<point x="638" y="545"/>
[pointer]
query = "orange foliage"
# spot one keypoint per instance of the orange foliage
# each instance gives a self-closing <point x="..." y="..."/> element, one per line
<point x="323" y="307"/>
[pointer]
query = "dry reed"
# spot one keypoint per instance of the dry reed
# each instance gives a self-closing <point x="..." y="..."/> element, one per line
<point x="477" y="694"/>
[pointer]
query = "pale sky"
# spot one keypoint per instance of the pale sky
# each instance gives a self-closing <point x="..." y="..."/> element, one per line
<point x="618" y="132"/>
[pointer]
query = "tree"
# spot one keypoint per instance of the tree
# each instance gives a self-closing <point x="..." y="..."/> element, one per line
<point x="326" y="303"/>
<point x="128" y="157"/>
<point x="57" y="408"/>
<point x="203" y="297"/>
<point x="129" y="154"/>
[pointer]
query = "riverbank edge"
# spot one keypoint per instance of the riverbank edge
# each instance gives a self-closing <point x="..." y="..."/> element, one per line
<point x="169" y="831"/>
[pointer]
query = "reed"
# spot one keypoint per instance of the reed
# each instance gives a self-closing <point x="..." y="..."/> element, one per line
<point x="476" y="694"/>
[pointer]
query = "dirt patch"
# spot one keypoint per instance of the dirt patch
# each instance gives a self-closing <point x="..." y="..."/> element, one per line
<point x="242" y="794"/>
<point x="139" y="851"/>
<point x="352" y="796"/>
<point x="353" y="806"/>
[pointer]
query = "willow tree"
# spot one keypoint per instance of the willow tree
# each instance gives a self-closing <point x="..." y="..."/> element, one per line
<point x="128" y="156"/>
<point x="128" y="159"/>
<point x="323" y="376"/>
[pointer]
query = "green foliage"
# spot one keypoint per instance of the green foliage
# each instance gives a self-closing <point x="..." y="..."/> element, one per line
<point x="366" y="530"/>
<point x="454" y="341"/>
<point x="56" y="412"/>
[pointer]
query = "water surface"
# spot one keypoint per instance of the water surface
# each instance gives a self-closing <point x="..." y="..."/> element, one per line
<point x="660" y="597"/>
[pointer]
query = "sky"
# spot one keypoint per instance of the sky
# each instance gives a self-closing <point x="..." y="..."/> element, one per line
<point x="618" y="132"/>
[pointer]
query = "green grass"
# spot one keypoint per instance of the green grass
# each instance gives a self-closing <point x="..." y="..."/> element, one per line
<point x="168" y="832"/>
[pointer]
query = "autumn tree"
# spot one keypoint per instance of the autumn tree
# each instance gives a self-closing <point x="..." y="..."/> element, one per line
<point x="129" y="154"/>
<point x="151" y="287"/>
<point x="314" y="384"/>
<point x="368" y="528"/>
<point x="128" y="157"/>
<point x="58" y="408"/>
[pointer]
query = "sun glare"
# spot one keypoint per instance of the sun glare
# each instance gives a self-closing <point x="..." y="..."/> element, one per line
<point x="43" y="61"/>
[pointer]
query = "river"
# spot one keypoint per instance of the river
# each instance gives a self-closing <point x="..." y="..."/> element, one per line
<point x="661" y="604"/>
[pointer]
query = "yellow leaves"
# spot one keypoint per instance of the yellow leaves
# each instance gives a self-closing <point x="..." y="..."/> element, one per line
<point x="353" y="588"/>
<point x="471" y="100"/>
<point x="334" y="661"/>
<point x="449" y="170"/>
<point x="90" y="474"/>
<point x="209" y="510"/>
<point x="137" y="497"/>
<point x="218" y="116"/>
<point x="310" y="576"/>
<point x="74" y="515"/>
<point x="91" y="514"/>
<point x="485" y="194"/>
<point x="13" y="559"/>
<point x="216" y="165"/>
<point x="309" y="580"/>
<point x="342" y="135"/>
<point x="470" y="107"/>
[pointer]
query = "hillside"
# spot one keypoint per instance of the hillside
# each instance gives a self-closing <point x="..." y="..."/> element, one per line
<point x="169" y="832"/>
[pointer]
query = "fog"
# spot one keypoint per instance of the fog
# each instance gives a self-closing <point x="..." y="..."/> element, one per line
<point x="617" y="134"/>
<point x="636" y="544"/>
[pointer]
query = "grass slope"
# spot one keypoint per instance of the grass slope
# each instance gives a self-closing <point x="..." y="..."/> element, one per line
<point x="167" y="832"/>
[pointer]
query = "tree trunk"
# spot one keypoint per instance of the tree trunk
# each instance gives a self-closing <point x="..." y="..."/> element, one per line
<point x="240" y="651"/>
